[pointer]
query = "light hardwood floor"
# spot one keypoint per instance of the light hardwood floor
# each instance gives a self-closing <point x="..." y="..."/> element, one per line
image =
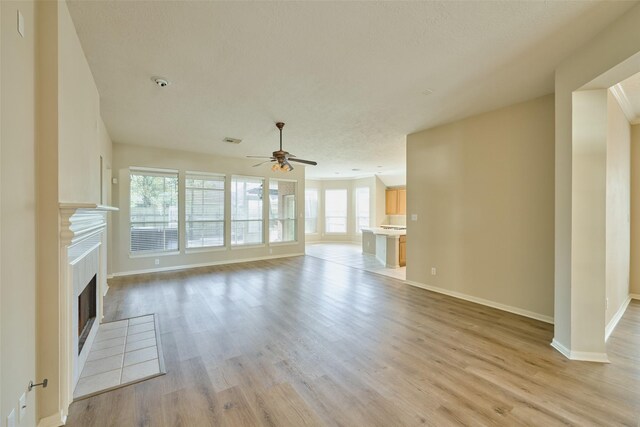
<point x="302" y="341"/>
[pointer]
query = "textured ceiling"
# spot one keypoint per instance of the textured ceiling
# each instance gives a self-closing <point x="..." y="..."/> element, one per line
<point x="631" y="90"/>
<point x="348" y="78"/>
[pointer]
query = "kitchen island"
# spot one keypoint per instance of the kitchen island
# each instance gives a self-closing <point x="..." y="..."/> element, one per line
<point x="387" y="245"/>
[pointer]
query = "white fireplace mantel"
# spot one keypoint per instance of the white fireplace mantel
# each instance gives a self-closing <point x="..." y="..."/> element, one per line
<point x="83" y="242"/>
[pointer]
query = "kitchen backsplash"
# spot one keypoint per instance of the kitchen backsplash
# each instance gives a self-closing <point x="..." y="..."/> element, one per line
<point x="397" y="220"/>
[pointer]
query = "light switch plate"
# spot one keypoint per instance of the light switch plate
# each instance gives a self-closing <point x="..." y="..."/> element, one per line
<point x="114" y="180"/>
<point x="22" y="407"/>
<point x="20" y="24"/>
<point x="11" y="419"/>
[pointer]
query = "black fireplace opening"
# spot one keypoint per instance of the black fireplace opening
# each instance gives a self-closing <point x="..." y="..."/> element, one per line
<point x="86" y="312"/>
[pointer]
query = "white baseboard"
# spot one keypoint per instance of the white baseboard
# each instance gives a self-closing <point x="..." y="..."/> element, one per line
<point x="55" y="420"/>
<point x="616" y="318"/>
<point x="634" y="296"/>
<point x="204" y="264"/>
<point x="488" y="303"/>
<point x="584" y="356"/>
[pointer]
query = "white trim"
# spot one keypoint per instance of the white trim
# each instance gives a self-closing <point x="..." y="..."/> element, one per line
<point x="205" y="174"/>
<point x="54" y="420"/>
<point x="202" y="249"/>
<point x="482" y="301"/>
<point x="616" y="318"/>
<point x="158" y="170"/>
<point x="634" y="296"/>
<point x="620" y="95"/>
<point x="151" y="254"/>
<point x="247" y="246"/>
<point x="584" y="356"/>
<point x="561" y="348"/>
<point x="204" y="264"/>
<point x="289" y="243"/>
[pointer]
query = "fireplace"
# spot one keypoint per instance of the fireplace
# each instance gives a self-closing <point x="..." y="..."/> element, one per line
<point x="86" y="311"/>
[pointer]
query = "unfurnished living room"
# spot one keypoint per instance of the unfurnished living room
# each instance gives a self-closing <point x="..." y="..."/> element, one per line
<point x="319" y="213"/>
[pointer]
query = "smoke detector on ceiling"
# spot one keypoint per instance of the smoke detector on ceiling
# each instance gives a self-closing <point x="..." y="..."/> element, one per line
<point x="232" y="140"/>
<point x="160" y="81"/>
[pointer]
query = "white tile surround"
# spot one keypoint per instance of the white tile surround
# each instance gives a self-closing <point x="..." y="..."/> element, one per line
<point x="123" y="352"/>
<point x="83" y="254"/>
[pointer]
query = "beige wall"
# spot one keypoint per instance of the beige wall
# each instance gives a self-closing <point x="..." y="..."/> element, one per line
<point x="589" y="120"/>
<point x="618" y="208"/>
<point x="80" y="126"/>
<point x="376" y="207"/>
<point x="634" y="286"/>
<point x="126" y="156"/>
<point x="482" y="188"/>
<point x="71" y="140"/>
<point x="18" y="209"/>
<point x="610" y="58"/>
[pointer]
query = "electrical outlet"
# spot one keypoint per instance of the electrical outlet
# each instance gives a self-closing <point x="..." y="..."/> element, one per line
<point x="22" y="407"/>
<point x="433" y="271"/>
<point x="11" y="419"/>
<point x="414" y="217"/>
<point x="157" y="261"/>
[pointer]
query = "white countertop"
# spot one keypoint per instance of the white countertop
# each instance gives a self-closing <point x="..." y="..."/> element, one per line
<point x="378" y="230"/>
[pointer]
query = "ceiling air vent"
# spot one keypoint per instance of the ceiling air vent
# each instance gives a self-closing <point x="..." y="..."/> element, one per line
<point x="232" y="140"/>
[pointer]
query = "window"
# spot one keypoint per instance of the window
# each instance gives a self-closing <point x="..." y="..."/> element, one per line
<point x="153" y="211"/>
<point x="311" y="211"/>
<point x="335" y="208"/>
<point x="204" y="208"/>
<point x="246" y="211"/>
<point x="362" y="208"/>
<point x="282" y="210"/>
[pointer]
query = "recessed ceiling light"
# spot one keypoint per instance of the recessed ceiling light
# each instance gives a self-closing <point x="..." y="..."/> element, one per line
<point x="427" y="91"/>
<point x="355" y="170"/>
<point x="160" y="81"/>
<point x="337" y="173"/>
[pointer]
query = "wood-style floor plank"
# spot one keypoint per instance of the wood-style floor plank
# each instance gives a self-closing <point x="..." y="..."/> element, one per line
<point x="304" y="341"/>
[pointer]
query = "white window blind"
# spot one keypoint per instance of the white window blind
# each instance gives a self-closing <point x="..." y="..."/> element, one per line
<point x="311" y="210"/>
<point x="204" y="208"/>
<point x="282" y="211"/>
<point x="362" y="208"/>
<point x="335" y="207"/>
<point x="246" y="211"/>
<point x="153" y="211"/>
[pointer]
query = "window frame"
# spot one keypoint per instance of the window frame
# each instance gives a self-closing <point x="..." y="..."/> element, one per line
<point x="159" y="172"/>
<point x="231" y="244"/>
<point x="357" y="216"/>
<point x="295" y="213"/>
<point x="204" y="175"/>
<point x="346" y="215"/>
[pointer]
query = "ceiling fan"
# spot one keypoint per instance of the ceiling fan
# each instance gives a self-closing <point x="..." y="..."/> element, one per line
<point x="281" y="158"/>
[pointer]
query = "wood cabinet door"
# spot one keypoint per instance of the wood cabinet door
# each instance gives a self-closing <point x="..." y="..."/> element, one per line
<point x="403" y="253"/>
<point x="391" y="205"/>
<point x="402" y="202"/>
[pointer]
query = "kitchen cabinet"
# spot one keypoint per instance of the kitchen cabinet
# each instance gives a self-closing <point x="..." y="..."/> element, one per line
<point x="396" y="201"/>
<point x="402" y="250"/>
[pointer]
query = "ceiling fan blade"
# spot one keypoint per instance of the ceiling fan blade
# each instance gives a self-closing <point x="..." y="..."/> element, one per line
<point x="259" y="157"/>
<point x="307" y="162"/>
<point x="286" y="162"/>
<point x="262" y="163"/>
